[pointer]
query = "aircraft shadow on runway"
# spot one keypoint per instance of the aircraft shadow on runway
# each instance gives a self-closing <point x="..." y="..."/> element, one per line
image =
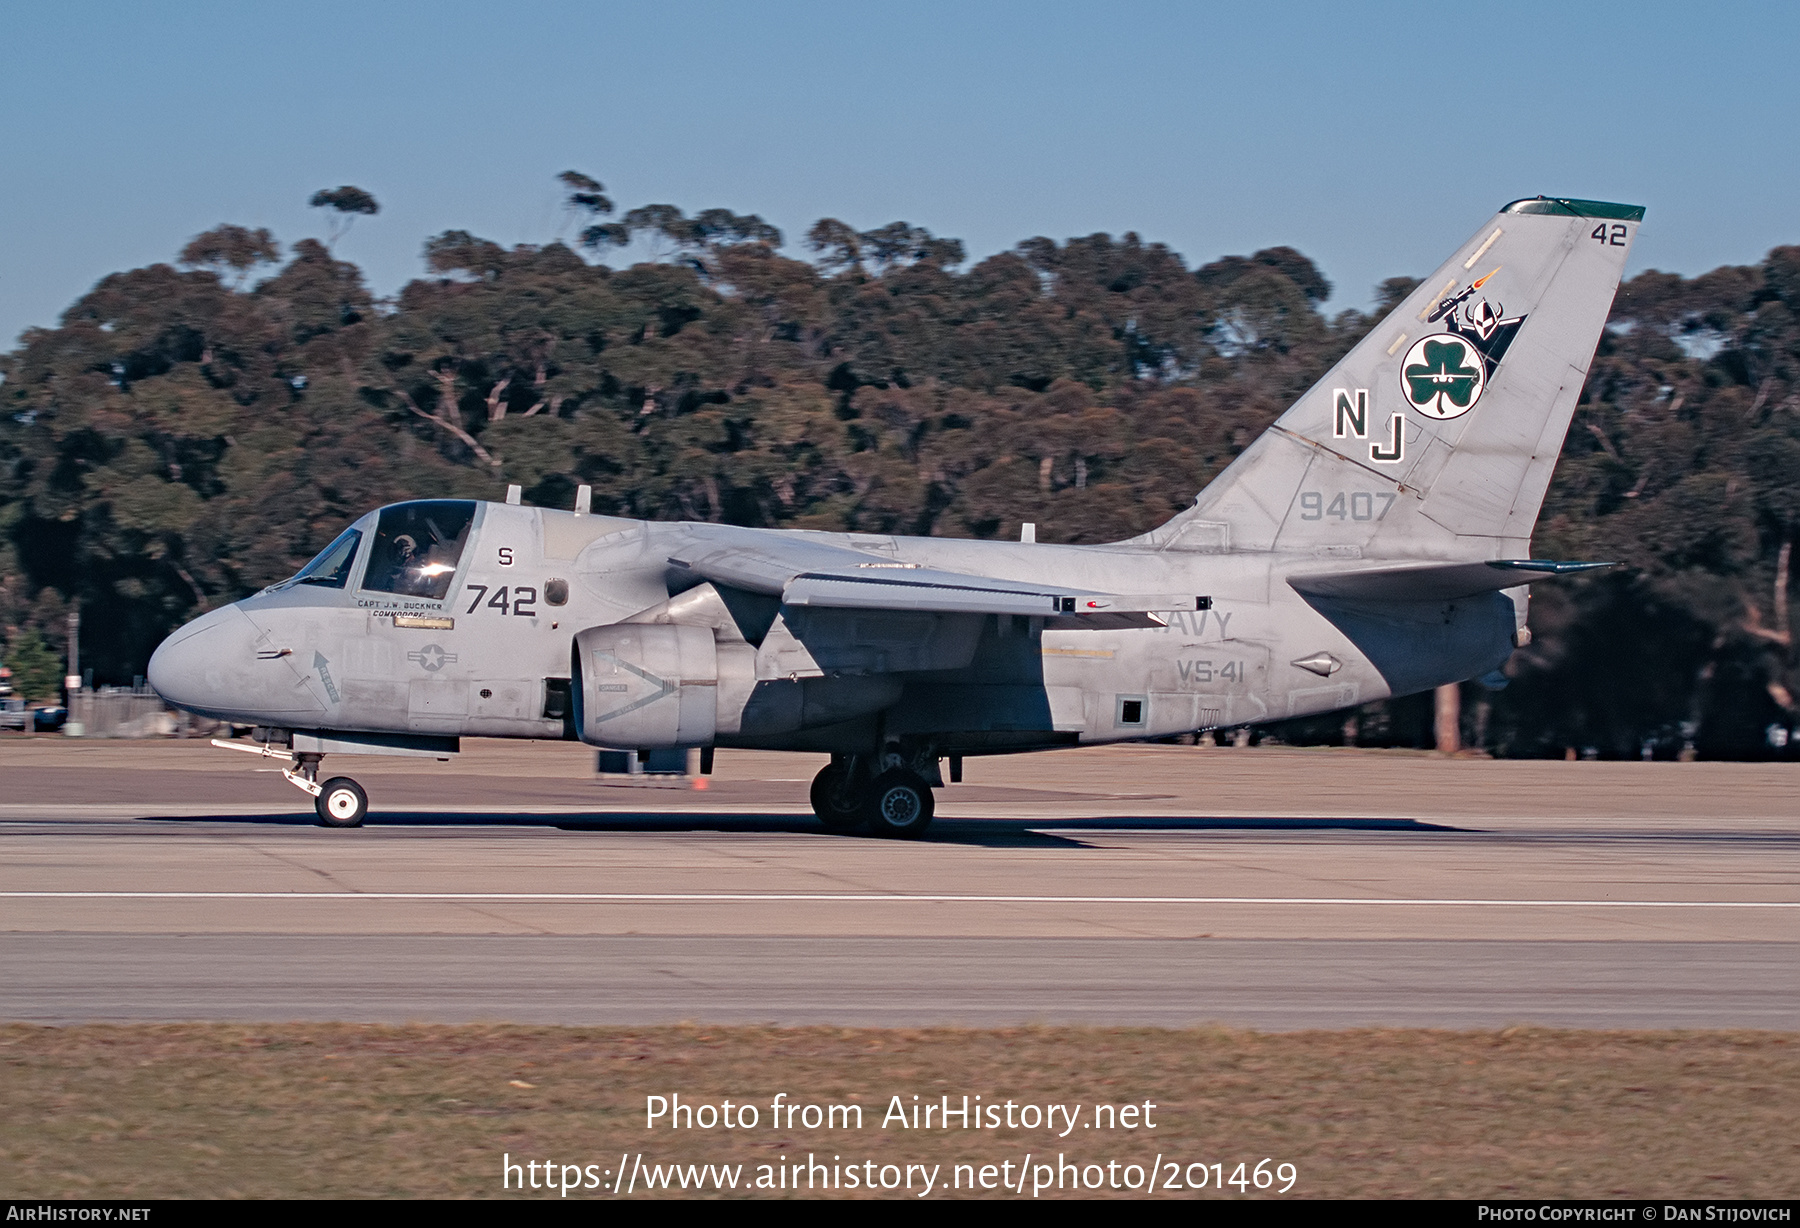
<point x="984" y="833"/>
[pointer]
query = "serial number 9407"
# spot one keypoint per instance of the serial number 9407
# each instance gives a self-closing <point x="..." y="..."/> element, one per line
<point x="1351" y="505"/>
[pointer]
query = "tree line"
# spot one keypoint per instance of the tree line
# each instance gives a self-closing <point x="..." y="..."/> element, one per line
<point x="192" y="431"/>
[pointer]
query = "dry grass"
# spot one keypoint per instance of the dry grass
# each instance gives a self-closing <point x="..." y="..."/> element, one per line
<point x="337" y="1110"/>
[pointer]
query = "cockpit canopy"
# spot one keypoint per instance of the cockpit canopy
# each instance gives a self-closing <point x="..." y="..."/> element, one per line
<point x="331" y="569"/>
<point x="415" y="551"/>
<point x="417" y="547"/>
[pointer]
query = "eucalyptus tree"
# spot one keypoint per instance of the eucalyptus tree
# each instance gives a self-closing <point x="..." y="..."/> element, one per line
<point x="347" y="203"/>
<point x="235" y="248"/>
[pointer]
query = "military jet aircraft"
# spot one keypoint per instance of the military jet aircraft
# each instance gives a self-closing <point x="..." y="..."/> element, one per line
<point x="1374" y="541"/>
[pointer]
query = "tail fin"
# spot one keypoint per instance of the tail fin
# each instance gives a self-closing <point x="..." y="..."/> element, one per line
<point x="1436" y="436"/>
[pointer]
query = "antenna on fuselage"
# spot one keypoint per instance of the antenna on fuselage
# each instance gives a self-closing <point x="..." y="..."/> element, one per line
<point x="514" y="494"/>
<point x="584" y="500"/>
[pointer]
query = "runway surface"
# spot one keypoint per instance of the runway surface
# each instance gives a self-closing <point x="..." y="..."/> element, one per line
<point x="1137" y="885"/>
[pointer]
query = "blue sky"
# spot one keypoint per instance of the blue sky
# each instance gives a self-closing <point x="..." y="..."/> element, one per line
<point x="1373" y="137"/>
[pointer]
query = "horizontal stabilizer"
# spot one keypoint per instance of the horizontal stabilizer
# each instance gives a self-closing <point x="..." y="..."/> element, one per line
<point x="1435" y="581"/>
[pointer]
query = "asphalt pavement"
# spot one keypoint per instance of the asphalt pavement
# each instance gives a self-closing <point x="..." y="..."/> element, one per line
<point x="1164" y="886"/>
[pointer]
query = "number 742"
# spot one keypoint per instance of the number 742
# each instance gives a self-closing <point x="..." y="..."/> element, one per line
<point x="521" y="599"/>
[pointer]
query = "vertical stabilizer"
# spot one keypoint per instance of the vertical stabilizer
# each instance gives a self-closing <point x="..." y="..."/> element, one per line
<point x="1436" y="436"/>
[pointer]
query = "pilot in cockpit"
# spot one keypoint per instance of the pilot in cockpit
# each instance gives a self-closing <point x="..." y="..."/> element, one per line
<point x="403" y="566"/>
<point x="417" y="547"/>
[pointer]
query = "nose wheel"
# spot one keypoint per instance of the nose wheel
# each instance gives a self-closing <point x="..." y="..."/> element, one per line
<point x="341" y="803"/>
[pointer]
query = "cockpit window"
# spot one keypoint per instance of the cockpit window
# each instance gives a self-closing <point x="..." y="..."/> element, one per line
<point x="331" y="569"/>
<point x="417" y="547"/>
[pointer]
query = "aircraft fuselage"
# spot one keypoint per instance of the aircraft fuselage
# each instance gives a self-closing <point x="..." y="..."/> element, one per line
<point x="491" y="656"/>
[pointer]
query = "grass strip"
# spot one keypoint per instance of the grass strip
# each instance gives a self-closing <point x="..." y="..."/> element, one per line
<point x="343" y="1110"/>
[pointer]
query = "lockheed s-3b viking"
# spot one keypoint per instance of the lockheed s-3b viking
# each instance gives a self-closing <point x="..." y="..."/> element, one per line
<point x="1374" y="541"/>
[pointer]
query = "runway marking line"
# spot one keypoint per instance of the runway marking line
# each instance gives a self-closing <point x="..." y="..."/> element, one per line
<point x="661" y="897"/>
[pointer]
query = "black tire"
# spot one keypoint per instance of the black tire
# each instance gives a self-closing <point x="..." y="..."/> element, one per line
<point x="836" y="799"/>
<point x="900" y="805"/>
<point x="341" y="803"/>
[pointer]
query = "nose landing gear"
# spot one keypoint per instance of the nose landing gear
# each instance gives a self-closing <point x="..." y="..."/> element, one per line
<point x="339" y="802"/>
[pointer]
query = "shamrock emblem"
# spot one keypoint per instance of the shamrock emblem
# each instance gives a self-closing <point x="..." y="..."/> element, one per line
<point x="1443" y="376"/>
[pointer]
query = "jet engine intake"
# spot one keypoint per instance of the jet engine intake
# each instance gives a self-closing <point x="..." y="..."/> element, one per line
<point x="646" y="686"/>
<point x="654" y="685"/>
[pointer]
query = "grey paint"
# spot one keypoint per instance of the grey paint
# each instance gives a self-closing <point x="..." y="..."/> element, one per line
<point x="1353" y="537"/>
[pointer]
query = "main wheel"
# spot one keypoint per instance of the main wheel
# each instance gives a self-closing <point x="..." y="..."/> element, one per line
<point x="341" y="803"/>
<point x="837" y="797"/>
<point x="899" y="804"/>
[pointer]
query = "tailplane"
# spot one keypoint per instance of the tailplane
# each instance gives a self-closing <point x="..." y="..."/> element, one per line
<point x="1436" y="436"/>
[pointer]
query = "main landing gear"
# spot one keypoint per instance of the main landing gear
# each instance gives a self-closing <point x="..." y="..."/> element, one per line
<point x="837" y="796"/>
<point x="897" y="802"/>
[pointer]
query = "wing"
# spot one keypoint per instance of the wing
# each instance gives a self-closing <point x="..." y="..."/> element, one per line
<point x="1435" y="582"/>
<point x="808" y="573"/>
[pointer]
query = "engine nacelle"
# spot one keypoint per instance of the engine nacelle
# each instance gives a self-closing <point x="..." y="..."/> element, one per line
<point x="652" y="685"/>
<point x="646" y="686"/>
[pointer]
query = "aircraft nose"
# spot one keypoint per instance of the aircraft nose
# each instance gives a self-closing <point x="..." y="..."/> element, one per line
<point x="193" y="668"/>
